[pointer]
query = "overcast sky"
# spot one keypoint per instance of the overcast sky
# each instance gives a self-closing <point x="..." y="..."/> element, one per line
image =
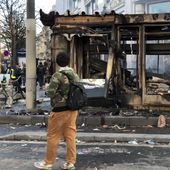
<point x="45" y="5"/>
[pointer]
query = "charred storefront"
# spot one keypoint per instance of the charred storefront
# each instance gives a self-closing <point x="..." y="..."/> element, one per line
<point x="122" y="59"/>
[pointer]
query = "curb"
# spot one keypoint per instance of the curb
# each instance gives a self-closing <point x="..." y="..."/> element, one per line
<point x="88" y="121"/>
<point x="91" y="137"/>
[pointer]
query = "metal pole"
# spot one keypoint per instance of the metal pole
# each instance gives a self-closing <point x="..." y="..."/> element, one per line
<point x="30" y="56"/>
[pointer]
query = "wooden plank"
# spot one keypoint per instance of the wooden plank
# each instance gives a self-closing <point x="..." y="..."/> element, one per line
<point x="87" y="20"/>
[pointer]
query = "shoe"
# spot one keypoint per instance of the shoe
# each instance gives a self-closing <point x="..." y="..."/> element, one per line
<point x="68" y="166"/>
<point x="42" y="165"/>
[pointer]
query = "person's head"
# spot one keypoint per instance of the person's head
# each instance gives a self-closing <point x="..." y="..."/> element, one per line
<point x="62" y="59"/>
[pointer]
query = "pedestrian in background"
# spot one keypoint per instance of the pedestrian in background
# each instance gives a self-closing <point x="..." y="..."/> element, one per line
<point x="23" y="74"/>
<point x="40" y="74"/>
<point x="3" y="68"/>
<point x="62" y="121"/>
<point x="18" y="71"/>
<point x="12" y="72"/>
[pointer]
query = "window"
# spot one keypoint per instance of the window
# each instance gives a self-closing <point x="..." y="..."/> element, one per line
<point x="159" y="64"/>
<point x="75" y="3"/>
<point x="93" y="6"/>
<point x="160" y="7"/>
<point x="88" y="11"/>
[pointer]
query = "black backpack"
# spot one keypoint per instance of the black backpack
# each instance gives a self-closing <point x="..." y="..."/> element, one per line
<point x="77" y="97"/>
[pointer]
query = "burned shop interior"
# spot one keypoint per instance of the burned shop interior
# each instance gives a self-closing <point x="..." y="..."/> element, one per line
<point x="122" y="60"/>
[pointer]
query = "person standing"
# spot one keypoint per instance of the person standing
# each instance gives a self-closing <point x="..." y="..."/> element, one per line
<point x="40" y="74"/>
<point x="18" y="71"/>
<point x="11" y="71"/>
<point x="62" y="121"/>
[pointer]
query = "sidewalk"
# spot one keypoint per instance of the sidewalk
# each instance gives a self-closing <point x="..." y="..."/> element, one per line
<point x="95" y="137"/>
<point x="84" y="134"/>
<point x="94" y="124"/>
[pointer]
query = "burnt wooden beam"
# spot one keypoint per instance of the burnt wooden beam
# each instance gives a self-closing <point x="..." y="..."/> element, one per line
<point x="47" y="19"/>
<point x="88" y="20"/>
<point x="109" y="20"/>
<point x="147" y="18"/>
<point x="72" y="29"/>
<point x="53" y="18"/>
<point x="98" y="65"/>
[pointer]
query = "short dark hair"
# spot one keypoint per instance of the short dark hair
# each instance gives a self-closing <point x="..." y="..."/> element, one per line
<point x="62" y="59"/>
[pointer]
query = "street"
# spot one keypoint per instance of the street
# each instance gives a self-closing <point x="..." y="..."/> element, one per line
<point x="21" y="155"/>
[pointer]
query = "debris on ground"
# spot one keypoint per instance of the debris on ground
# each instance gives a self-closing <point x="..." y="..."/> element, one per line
<point x="134" y="142"/>
<point x="105" y="126"/>
<point x="151" y="142"/>
<point x="96" y="129"/>
<point x="148" y="126"/>
<point x="161" y="121"/>
<point x="118" y="127"/>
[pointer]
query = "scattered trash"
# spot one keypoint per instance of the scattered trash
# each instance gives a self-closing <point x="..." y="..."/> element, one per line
<point x="118" y="127"/>
<point x="80" y="130"/>
<point x="111" y="113"/>
<point x="96" y="129"/>
<point x="126" y="130"/>
<point x="84" y="151"/>
<point x="21" y="100"/>
<point x="12" y="127"/>
<point x="139" y="153"/>
<point x="126" y="113"/>
<point x="24" y="144"/>
<point x="27" y="125"/>
<point x="80" y="153"/>
<point x="38" y="124"/>
<point x="161" y="121"/>
<point x="151" y="142"/>
<point x="104" y="126"/>
<point x="46" y="113"/>
<point x="134" y="142"/>
<point x="83" y="124"/>
<point x="148" y="126"/>
<point x="79" y="141"/>
<point x="46" y="99"/>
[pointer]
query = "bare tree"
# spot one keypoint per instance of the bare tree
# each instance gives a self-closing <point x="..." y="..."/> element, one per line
<point x="12" y="25"/>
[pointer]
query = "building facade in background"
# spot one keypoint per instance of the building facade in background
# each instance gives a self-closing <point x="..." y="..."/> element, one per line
<point x="101" y="6"/>
<point x="43" y="44"/>
<point x="119" y="6"/>
<point x="62" y="5"/>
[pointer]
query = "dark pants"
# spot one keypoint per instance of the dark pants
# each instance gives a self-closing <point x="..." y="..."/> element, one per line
<point x="41" y="80"/>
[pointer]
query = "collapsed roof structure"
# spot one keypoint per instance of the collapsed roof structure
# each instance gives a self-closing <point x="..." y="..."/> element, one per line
<point x="130" y="54"/>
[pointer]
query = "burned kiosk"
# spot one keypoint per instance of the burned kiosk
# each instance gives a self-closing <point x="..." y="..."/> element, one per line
<point x="121" y="57"/>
